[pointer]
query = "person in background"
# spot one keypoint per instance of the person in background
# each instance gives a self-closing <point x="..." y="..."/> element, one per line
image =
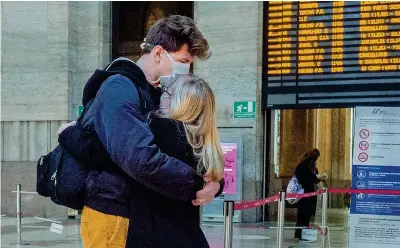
<point x="308" y="177"/>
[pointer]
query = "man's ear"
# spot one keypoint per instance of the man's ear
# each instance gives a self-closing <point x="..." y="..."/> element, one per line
<point x="157" y="53"/>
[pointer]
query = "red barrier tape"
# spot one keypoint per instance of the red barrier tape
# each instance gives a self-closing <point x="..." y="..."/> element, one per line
<point x="254" y="204"/>
<point x="300" y="196"/>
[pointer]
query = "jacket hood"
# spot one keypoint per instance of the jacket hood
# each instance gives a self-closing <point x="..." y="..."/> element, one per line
<point x="121" y="66"/>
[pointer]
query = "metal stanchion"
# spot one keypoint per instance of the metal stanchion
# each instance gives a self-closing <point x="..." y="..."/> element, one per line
<point x="281" y="218"/>
<point x="19" y="213"/>
<point x="228" y="223"/>
<point x="324" y="217"/>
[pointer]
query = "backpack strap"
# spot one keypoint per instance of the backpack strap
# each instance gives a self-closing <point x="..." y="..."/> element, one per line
<point x="139" y="89"/>
<point x="142" y="103"/>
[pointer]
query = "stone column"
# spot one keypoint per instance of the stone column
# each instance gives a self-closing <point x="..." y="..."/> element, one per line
<point x="234" y="32"/>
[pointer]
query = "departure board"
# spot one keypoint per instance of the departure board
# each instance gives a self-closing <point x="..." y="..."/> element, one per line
<point x="340" y="53"/>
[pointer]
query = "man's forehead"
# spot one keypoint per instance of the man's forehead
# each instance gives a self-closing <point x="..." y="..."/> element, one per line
<point x="183" y="54"/>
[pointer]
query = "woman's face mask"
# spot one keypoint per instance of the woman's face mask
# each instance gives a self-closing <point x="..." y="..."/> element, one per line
<point x="178" y="69"/>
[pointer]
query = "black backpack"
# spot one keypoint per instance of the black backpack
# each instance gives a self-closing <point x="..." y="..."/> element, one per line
<point x="61" y="176"/>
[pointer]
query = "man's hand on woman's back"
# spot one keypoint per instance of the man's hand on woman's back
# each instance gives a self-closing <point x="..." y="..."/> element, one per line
<point x="207" y="194"/>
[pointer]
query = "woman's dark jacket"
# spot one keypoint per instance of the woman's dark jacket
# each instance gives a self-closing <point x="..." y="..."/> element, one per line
<point x="160" y="221"/>
<point x="307" y="176"/>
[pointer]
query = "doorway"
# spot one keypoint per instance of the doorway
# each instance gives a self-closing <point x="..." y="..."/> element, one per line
<point x="293" y="132"/>
<point x="131" y="22"/>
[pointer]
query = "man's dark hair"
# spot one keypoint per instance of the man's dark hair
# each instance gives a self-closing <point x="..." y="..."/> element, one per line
<point x="173" y="32"/>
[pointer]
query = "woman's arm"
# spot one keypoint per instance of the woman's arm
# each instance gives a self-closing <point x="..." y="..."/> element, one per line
<point x="170" y="137"/>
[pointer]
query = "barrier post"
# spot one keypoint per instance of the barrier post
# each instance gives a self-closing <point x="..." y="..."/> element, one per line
<point x="281" y="218"/>
<point x="19" y="214"/>
<point x="228" y="223"/>
<point x="324" y="217"/>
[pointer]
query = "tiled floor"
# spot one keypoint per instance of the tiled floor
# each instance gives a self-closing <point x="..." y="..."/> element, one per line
<point x="36" y="233"/>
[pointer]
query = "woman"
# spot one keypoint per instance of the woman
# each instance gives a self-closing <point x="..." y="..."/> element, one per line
<point x="307" y="175"/>
<point x="186" y="130"/>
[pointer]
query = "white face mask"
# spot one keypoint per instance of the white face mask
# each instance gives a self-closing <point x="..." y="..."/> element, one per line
<point x="178" y="69"/>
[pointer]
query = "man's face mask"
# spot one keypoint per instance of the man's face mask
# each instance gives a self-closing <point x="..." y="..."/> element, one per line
<point x="178" y="69"/>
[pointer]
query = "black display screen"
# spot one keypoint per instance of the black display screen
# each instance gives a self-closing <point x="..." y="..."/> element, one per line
<point x="331" y="54"/>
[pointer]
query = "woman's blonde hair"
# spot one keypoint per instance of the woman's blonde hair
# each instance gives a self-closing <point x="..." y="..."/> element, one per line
<point x="193" y="103"/>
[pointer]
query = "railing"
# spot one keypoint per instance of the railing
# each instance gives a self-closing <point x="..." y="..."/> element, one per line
<point x="231" y="206"/>
<point x="323" y="229"/>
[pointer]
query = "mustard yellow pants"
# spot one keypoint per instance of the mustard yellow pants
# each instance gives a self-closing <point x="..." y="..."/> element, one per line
<point x="100" y="230"/>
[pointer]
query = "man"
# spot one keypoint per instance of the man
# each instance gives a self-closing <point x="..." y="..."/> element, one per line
<point x="123" y="95"/>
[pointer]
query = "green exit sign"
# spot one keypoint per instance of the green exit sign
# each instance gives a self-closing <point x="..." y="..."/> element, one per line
<point x="79" y="110"/>
<point x="244" y="110"/>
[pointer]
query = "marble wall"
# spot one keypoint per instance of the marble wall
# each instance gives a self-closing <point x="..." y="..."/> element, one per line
<point x="34" y="61"/>
<point x="234" y="72"/>
<point x="48" y="51"/>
